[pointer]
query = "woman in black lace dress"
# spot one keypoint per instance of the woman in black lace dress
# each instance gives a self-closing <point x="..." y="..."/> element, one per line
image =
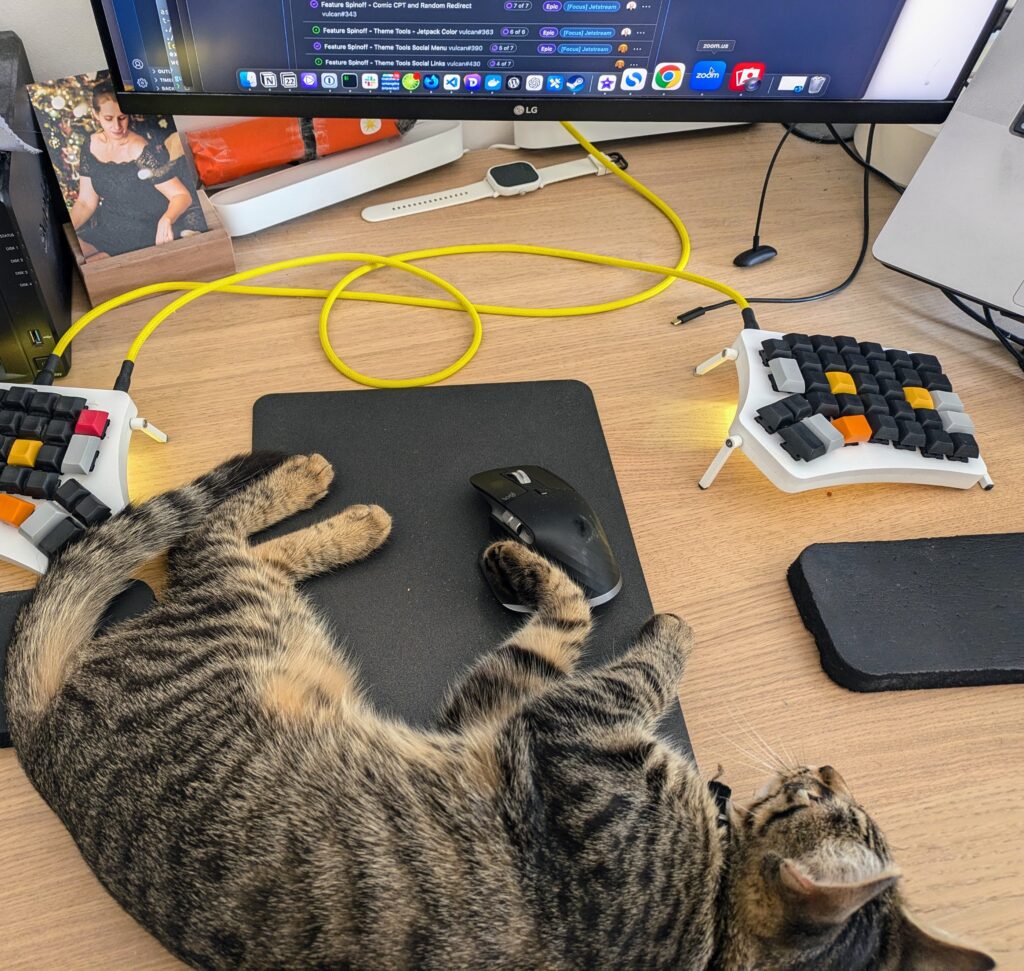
<point x="128" y="195"/>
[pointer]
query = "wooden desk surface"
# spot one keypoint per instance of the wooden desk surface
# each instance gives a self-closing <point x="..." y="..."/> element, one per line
<point x="942" y="771"/>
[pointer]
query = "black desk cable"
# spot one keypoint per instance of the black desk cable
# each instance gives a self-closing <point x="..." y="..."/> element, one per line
<point x="690" y="315"/>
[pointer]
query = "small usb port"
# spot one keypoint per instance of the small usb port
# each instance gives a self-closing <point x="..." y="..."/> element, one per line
<point x="36" y="336"/>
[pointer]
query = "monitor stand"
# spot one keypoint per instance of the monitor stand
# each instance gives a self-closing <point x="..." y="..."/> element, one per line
<point x="550" y="134"/>
<point x="275" y="197"/>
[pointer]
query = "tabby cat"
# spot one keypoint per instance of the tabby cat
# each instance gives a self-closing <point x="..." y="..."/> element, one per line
<point x="222" y="774"/>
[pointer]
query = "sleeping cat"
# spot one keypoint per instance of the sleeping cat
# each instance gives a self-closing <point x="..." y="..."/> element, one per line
<point x="221" y="773"/>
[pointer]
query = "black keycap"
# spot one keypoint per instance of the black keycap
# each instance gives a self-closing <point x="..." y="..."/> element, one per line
<point x="91" y="511"/>
<point x="831" y="361"/>
<point x="69" y="408"/>
<point x="875" y="404"/>
<point x="883" y="428"/>
<point x="849" y="404"/>
<point x="898" y="358"/>
<point x="5" y="446"/>
<point x="823" y="403"/>
<point x="70" y="492"/>
<point x="847" y="343"/>
<point x="799" y="405"/>
<point x="799" y="342"/>
<point x="911" y="435"/>
<point x="935" y="381"/>
<point x="801" y="442"/>
<point x="891" y="389"/>
<point x="10" y="422"/>
<point x="928" y="418"/>
<point x="59" y="537"/>
<point x="900" y="409"/>
<point x="18" y="398"/>
<point x="866" y="383"/>
<point x="856" y="363"/>
<point x="820" y="342"/>
<point x="41" y="485"/>
<point x="12" y="479"/>
<point x="815" y="380"/>
<point x="882" y="369"/>
<point x="872" y="351"/>
<point x="33" y="426"/>
<point x="926" y="362"/>
<point x="807" y="358"/>
<point x="964" y="447"/>
<point x="59" y="432"/>
<point x="775" y="416"/>
<point x="938" y="443"/>
<point x="774" y="348"/>
<point x="908" y="377"/>
<point x="42" y="403"/>
<point x="50" y="457"/>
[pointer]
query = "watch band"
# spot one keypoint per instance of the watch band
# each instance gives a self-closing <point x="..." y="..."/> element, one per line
<point x="571" y="170"/>
<point x="434" y="200"/>
<point x="478" y="190"/>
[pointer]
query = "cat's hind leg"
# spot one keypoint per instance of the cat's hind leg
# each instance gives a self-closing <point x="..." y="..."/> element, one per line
<point x="545" y="649"/>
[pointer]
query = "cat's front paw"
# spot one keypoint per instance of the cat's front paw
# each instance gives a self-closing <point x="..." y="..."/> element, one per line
<point x="519" y="569"/>
<point x="306" y="479"/>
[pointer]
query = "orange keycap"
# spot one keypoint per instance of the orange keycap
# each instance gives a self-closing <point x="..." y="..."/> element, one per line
<point x="24" y="452"/>
<point x="918" y="398"/>
<point x="14" y="511"/>
<point x="855" y="428"/>
<point x="840" y="382"/>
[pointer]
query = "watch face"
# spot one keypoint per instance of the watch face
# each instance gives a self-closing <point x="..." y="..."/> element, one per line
<point x="514" y="174"/>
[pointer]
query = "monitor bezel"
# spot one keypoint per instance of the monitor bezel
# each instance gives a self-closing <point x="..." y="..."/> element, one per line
<point x="487" y="107"/>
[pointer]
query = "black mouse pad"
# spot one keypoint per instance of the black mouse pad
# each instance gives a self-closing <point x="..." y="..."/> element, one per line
<point x="137" y="598"/>
<point x="922" y="613"/>
<point x="418" y="612"/>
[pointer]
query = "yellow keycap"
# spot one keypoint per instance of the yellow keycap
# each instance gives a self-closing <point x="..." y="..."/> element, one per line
<point x="24" y="452"/>
<point x="918" y="398"/>
<point x="840" y="382"/>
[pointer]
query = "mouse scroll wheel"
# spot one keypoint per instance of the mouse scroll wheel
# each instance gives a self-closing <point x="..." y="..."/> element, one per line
<point x="518" y="475"/>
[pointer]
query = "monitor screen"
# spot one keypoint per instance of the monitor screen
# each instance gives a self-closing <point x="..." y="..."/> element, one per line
<point x="872" y="60"/>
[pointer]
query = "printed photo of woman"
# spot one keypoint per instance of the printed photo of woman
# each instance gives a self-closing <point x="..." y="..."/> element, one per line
<point x="125" y="179"/>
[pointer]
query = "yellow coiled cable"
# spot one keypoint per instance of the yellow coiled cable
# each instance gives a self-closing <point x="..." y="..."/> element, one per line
<point x="235" y="283"/>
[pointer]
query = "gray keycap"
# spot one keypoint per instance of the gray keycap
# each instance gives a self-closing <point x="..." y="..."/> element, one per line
<point x="81" y="455"/>
<point x="826" y="431"/>
<point x="787" y="375"/>
<point x="42" y="521"/>
<point x="956" y="421"/>
<point x="947" y="401"/>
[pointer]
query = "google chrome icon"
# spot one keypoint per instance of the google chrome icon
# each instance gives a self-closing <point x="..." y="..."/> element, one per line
<point x="668" y="77"/>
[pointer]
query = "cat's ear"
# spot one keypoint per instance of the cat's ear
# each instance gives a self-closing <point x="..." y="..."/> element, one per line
<point x="819" y="902"/>
<point x="931" y="950"/>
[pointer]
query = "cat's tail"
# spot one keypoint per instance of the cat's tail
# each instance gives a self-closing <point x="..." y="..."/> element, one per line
<point x="72" y="597"/>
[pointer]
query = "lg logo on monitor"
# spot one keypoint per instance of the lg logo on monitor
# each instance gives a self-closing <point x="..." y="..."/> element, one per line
<point x="525" y="110"/>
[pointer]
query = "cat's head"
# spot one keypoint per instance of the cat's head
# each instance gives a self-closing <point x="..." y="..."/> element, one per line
<point x="812" y="885"/>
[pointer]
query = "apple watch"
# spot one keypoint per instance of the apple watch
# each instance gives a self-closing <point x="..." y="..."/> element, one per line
<point x="509" y="179"/>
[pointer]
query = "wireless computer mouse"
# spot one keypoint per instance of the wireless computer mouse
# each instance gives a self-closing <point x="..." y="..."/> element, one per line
<point x="550" y="516"/>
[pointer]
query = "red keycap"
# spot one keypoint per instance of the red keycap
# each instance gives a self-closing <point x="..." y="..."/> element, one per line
<point x="93" y="423"/>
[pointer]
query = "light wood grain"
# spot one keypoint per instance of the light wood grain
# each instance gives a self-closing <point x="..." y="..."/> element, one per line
<point x="943" y="771"/>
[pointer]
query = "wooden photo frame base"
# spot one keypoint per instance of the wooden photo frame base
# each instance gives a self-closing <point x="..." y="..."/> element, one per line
<point x="205" y="256"/>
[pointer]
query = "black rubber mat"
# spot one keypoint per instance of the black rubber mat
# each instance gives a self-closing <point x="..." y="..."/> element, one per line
<point x="418" y="611"/>
<point x="137" y="598"/>
<point x="921" y="613"/>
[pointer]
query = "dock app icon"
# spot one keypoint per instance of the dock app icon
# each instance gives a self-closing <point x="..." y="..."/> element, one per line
<point x="634" y="79"/>
<point x="707" y="76"/>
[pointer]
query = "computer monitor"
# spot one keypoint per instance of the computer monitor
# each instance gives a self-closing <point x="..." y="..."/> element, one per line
<point x="616" y="60"/>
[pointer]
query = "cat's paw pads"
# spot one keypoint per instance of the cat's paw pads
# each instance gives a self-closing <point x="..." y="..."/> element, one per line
<point x="519" y="568"/>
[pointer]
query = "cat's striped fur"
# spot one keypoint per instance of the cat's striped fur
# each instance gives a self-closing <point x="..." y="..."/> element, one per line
<point x="223" y="776"/>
